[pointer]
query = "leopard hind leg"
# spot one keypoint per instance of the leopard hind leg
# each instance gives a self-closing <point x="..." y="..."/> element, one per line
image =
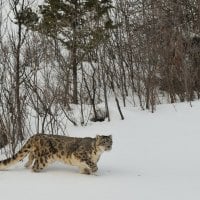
<point x="40" y="163"/>
<point x="30" y="160"/>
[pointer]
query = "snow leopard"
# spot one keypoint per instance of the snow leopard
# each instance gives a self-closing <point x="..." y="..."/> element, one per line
<point x="44" y="149"/>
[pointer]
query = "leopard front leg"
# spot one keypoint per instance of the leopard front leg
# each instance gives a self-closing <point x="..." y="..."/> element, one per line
<point x="87" y="167"/>
<point x="84" y="162"/>
<point x="92" y="165"/>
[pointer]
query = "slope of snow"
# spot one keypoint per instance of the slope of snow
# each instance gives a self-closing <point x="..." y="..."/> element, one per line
<point x="154" y="157"/>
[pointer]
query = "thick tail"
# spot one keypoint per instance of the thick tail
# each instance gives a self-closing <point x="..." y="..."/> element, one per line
<point x="25" y="150"/>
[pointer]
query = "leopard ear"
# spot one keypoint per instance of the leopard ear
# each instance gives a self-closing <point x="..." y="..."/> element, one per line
<point x="98" y="136"/>
<point x="110" y="136"/>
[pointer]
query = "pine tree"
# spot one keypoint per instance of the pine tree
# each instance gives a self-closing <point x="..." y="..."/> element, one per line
<point x="80" y="25"/>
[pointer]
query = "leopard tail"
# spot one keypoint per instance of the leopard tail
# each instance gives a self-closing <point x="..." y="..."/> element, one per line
<point x="20" y="155"/>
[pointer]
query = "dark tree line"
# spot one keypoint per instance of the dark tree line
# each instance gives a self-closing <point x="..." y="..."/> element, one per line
<point x="64" y="53"/>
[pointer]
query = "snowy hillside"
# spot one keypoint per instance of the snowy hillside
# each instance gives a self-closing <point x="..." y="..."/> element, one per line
<point x="154" y="157"/>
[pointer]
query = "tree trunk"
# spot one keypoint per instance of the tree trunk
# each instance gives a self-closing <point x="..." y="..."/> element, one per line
<point x="74" y="56"/>
<point x="74" y="73"/>
<point x="17" y="84"/>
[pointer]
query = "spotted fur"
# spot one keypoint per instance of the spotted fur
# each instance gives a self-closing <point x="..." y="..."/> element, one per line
<point x="43" y="149"/>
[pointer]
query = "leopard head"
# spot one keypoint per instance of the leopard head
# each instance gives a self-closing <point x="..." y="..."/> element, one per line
<point x="104" y="142"/>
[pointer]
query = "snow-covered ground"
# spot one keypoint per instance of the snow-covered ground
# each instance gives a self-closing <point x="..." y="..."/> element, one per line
<point x="154" y="157"/>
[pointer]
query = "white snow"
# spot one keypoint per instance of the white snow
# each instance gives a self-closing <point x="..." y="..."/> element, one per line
<point x="154" y="157"/>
